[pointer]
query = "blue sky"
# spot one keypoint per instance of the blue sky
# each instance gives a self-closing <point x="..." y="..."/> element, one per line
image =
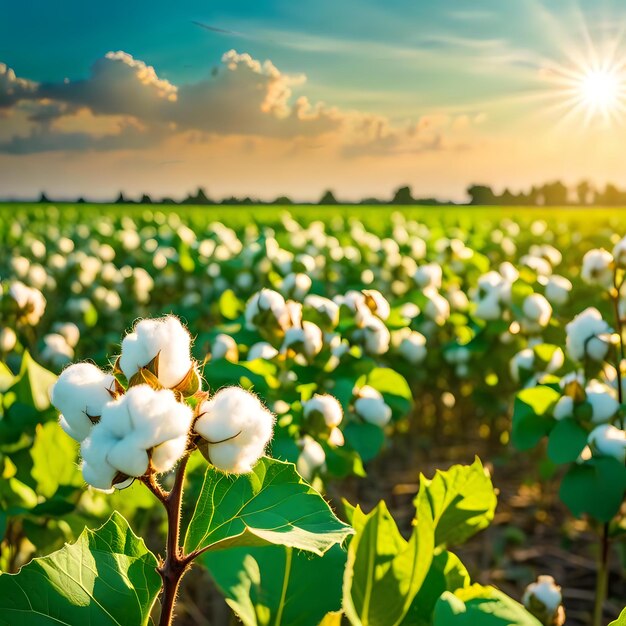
<point x="472" y="70"/>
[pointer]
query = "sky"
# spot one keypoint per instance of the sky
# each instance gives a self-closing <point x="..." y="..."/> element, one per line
<point x="275" y="97"/>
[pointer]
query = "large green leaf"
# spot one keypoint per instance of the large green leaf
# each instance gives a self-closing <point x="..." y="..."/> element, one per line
<point x="273" y="584"/>
<point x="461" y="500"/>
<point x="107" y="577"/>
<point x="384" y="572"/>
<point x="532" y="416"/>
<point x="595" y="487"/>
<point x="566" y="441"/>
<point x="270" y="505"/>
<point x="480" y="606"/>
<point x="621" y="620"/>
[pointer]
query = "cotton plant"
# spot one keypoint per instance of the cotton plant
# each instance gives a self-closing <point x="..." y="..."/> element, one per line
<point x="544" y="600"/>
<point x="143" y="419"/>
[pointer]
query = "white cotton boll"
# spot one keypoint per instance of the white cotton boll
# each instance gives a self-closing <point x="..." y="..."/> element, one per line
<point x="376" y="336"/>
<point x="37" y="276"/>
<point x="80" y="392"/>
<point x="598" y="268"/>
<point x="262" y="350"/>
<point x="140" y="422"/>
<point x="20" y="265"/>
<point x="237" y="428"/>
<point x="70" y="331"/>
<point x="353" y="300"/>
<point x="547" y="593"/>
<point x="429" y="275"/>
<point x="508" y="271"/>
<point x="377" y="303"/>
<point x="583" y="336"/>
<point x="56" y="350"/>
<point x="619" y="253"/>
<point x="409" y="310"/>
<point x="307" y="340"/>
<point x="524" y="360"/>
<point x="312" y="457"/>
<point x="97" y="471"/>
<point x="8" y="339"/>
<point x="296" y="286"/>
<point x="325" y="405"/>
<point x="224" y="347"/>
<point x="164" y="336"/>
<point x="558" y="289"/>
<point x="336" y="438"/>
<point x="264" y="306"/>
<point x="556" y="361"/>
<point x="608" y="440"/>
<point x="373" y="410"/>
<point x="563" y="408"/>
<point x="30" y="302"/>
<point x="437" y="308"/>
<point x="413" y="347"/>
<point x="458" y="299"/>
<point x="488" y="307"/>
<point x="604" y="404"/>
<point x="537" y="309"/>
<point x="324" y="307"/>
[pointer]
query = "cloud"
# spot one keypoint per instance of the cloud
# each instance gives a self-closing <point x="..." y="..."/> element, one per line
<point x="124" y="104"/>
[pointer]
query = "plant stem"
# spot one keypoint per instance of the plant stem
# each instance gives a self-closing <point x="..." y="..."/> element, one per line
<point x="602" y="581"/>
<point x="173" y="567"/>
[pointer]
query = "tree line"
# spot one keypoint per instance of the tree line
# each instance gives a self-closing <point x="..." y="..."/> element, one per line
<point x="549" y="194"/>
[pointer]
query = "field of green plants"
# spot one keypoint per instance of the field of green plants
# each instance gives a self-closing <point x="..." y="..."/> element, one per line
<point x="312" y="416"/>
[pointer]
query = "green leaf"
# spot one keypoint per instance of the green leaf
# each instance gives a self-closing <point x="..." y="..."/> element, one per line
<point x="51" y="470"/>
<point x="33" y="386"/>
<point x="480" y="606"/>
<point x="367" y="439"/>
<point x="566" y="441"/>
<point x="278" y="585"/>
<point x="271" y="505"/>
<point x="595" y="487"/>
<point x="230" y="306"/>
<point x="532" y="416"/>
<point x="447" y="573"/>
<point x="461" y="500"/>
<point x="107" y="577"/>
<point x="384" y="572"/>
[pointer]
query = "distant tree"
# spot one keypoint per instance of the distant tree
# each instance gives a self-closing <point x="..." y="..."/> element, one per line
<point x="145" y="199"/>
<point x="328" y="198"/>
<point x="403" y="196"/>
<point x="167" y="200"/>
<point x="81" y="200"/>
<point x="507" y="198"/>
<point x="200" y="197"/>
<point x="43" y="198"/>
<point x="584" y="192"/>
<point x="481" y="194"/>
<point x="612" y="196"/>
<point x="120" y="199"/>
<point x="371" y="201"/>
<point x="282" y="200"/>
<point x="554" y="194"/>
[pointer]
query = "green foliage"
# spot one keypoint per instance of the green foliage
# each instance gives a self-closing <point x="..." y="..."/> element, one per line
<point x="621" y="620"/>
<point x="107" y="577"/>
<point x="271" y="505"/>
<point x="566" y="441"/>
<point x="532" y="416"/>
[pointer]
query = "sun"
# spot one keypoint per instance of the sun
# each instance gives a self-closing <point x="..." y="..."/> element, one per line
<point x="600" y="90"/>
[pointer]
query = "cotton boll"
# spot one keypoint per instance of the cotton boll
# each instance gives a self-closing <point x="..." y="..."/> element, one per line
<point x="537" y="309"/>
<point x="377" y="303"/>
<point x="296" y="285"/>
<point x="8" y="339"/>
<point x="307" y="340"/>
<point x="429" y="275"/>
<point x="224" y="347"/>
<point x="30" y="302"/>
<point x="371" y="407"/>
<point x="326" y="311"/>
<point x="237" y="428"/>
<point x="56" y="350"/>
<point x="598" y="268"/>
<point x="376" y="336"/>
<point x="583" y="336"/>
<point x="488" y="307"/>
<point x="80" y="393"/>
<point x="607" y="440"/>
<point x="413" y="347"/>
<point x="70" y="331"/>
<point x="140" y="422"/>
<point x="267" y="308"/>
<point x="326" y="406"/>
<point x="437" y="308"/>
<point x="524" y="360"/>
<point x="97" y="471"/>
<point x="165" y="337"/>
<point x="262" y="350"/>
<point x="312" y="457"/>
<point x="543" y="600"/>
<point x="563" y="408"/>
<point x="604" y="404"/>
<point x="558" y="289"/>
